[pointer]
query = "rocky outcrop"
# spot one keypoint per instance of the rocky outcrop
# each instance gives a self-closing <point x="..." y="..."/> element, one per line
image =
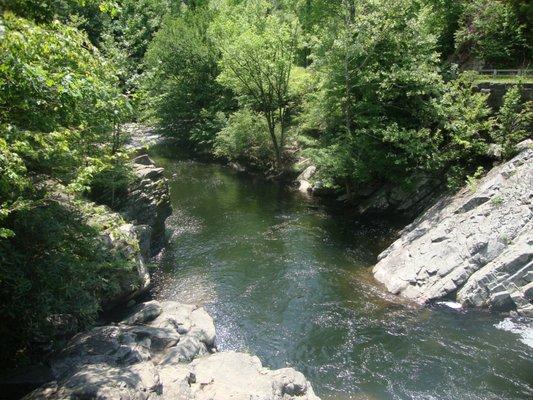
<point x="163" y="351"/>
<point x="378" y="198"/>
<point x="148" y="200"/>
<point x="125" y="239"/>
<point x="120" y="240"/>
<point x="476" y="246"/>
<point x="407" y="200"/>
<point x="148" y="203"/>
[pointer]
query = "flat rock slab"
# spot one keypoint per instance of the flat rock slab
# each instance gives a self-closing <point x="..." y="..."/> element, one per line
<point x="476" y="245"/>
<point x="231" y="375"/>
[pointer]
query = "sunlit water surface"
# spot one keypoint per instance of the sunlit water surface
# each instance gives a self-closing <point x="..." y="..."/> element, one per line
<point x="290" y="281"/>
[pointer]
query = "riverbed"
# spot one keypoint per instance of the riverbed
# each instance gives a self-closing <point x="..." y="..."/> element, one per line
<point x="289" y="279"/>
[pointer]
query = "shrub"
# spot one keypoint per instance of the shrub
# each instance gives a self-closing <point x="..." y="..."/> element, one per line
<point x="58" y="101"/>
<point x="246" y="139"/>
<point x="56" y="263"/>
<point x="514" y="121"/>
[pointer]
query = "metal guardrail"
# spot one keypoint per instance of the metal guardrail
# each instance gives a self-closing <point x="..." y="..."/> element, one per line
<point x="506" y="72"/>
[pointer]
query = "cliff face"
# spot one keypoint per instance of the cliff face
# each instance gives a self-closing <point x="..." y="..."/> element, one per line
<point x="164" y="351"/>
<point x="476" y="246"/>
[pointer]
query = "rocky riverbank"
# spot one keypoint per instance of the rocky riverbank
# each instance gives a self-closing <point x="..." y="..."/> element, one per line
<point x="163" y="351"/>
<point x="475" y="247"/>
<point x="145" y="208"/>
<point x="158" y="350"/>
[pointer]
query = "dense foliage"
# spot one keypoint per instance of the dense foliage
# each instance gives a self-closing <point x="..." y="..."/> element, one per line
<point x="60" y="110"/>
<point x="378" y="99"/>
<point x="371" y="92"/>
<point x="181" y="92"/>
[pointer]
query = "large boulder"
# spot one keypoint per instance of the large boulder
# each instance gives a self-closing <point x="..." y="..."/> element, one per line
<point x="304" y="184"/>
<point x="163" y="350"/>
<point x="125" y="240"/>
<point x="475" y="246"/>
<point x="408" y="200"/>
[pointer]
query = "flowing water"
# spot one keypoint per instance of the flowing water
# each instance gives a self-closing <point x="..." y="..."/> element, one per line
<point x="290" y="281"/>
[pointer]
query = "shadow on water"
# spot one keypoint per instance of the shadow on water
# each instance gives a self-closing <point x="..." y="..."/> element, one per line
<point x="289" y="279"/>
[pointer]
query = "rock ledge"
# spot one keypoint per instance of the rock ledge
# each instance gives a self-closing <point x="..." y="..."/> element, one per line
<point x="164" y="350"/>
<point x="475" y="247"/>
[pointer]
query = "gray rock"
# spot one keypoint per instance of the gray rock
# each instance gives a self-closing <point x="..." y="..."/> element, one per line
<point x="124" y="240"/>
<point x="148" y="201"/>
<point x="148" y="356"/>
<point x="307" y="174"/>
<point x="237" y="167"/>
<point x="231" y="375"/>
<point x="524" y="145"/>
<point x="144" y="313"/>
<point x="304" y="184"/>
<point x="407" y="200"/>
<point x="305" y="187"/>
<point x="495" y="151"/>
<point x="187" y="350"/>
<point x="528" y="292"/>
<point x="143" y="159"/>
<point x="478" y="244"/>
<point x="502" y="301"/>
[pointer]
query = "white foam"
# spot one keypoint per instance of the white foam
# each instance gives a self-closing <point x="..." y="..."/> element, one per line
<point x="523" y="329"/>
<point x="451" y="304"/>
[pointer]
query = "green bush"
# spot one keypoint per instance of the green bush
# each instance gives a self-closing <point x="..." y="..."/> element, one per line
<point x="59" y="100"/>
<point x="56" y="263"/>
<point x="491" y="31"/>
<point x="514" y="121"/>
<point x="111" y="183"/>
<point x="51" y="77"/>
<point x="246" y="139"/>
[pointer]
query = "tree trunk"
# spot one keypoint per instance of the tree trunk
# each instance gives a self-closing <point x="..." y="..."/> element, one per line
<point x="347" y="94"/>
<point x="272" y="131"/>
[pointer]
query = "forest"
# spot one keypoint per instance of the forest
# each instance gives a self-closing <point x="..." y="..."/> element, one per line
<point x="372" y="92"/>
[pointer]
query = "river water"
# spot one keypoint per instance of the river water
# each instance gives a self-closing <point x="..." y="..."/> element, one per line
<point x="290" y="280"/>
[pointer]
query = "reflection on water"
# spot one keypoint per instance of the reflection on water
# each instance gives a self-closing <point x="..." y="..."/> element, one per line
<point x="289" y="281"/>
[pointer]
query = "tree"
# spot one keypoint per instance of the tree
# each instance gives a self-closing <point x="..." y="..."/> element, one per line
<point x="490" y="31"/>
<point x="443" y="22"/>
<point x="375" y="71"/>
<point x="180" y="89"/>
<point x="258" y="45"/>
<point x="514" y="120"/>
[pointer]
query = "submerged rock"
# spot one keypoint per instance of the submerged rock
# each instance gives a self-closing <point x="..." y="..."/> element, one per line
<point x="476" y="245"/>
<point x="148" y="356"/>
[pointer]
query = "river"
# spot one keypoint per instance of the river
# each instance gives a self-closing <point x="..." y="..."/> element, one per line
<point x="290" y="280"/>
